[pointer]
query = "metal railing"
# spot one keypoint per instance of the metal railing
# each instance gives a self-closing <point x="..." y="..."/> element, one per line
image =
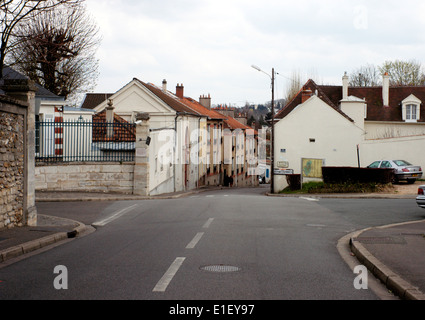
<point x="78" y="141"/>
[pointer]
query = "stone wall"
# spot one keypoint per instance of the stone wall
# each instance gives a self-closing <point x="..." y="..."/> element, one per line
<point x="12" y="163"/>
<point x="88" y="177"/>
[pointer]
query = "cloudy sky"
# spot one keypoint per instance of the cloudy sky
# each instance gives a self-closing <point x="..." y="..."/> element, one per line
<point x="210" y="45"/>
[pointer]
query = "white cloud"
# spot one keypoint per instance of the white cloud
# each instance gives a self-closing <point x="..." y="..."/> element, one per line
<point x="209" y="45"/>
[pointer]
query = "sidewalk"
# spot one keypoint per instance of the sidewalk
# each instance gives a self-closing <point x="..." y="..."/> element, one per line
<point x="394" y="254"/>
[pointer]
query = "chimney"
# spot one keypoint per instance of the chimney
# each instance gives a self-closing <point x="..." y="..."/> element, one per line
<point x="305" y="95"/>
<point x="179" y="90"/>
<point x="386" y="90"/>
<point x="164" y="85"/>
<point x="110" y="119"/>
<point x="345" y="86"/>
<point x="205" y="101"/>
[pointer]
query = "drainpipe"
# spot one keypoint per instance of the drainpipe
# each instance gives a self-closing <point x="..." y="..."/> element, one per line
<point x="175" y="148"/>
<point x="199" y="129"/>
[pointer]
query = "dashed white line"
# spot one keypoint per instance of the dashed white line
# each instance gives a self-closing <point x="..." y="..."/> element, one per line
<point x="195" y="240"/>
<point x="309" y="199"/>
<point x="116" y="215"/>
<point x="207" y="224"/>
<point x="163" y="283"/>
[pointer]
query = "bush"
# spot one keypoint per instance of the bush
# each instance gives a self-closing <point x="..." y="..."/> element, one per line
<point x="353" y="175"/>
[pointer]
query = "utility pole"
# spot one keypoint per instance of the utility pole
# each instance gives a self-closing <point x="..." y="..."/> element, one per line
<point x="272" y="138"/>
<point x="272" y="132"/>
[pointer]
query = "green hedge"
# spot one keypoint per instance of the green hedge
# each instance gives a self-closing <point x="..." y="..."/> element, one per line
<point x="357" y="175"/>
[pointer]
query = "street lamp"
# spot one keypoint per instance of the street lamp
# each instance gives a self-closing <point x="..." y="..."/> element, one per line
<point x="272" y="133"/>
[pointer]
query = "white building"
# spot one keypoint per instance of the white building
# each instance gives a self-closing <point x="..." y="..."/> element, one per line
<point x="349" y="126"/>
<point x="172" y="156"/>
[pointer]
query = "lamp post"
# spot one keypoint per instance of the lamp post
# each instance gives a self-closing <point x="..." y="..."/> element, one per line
<point x="272" y="133"/>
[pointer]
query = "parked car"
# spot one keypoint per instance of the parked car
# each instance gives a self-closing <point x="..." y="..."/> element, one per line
<point x="403" y="170"/>
<point x="261" y="179"/>
<point x="420" y="198"/>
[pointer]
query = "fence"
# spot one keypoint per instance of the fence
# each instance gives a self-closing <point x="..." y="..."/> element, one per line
<point x="72" y="141"/>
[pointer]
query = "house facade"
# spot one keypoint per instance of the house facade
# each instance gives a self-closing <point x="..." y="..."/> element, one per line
<point x="186" y="136"/>
<point x="349" y="126"/>
<point x="170" y="125"/>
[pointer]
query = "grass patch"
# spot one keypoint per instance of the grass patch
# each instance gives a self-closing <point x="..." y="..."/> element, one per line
<point x="321" y="187"/>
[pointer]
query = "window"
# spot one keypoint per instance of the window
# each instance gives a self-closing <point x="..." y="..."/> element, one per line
<point x="375" y="164"/>
<point x="411" y="112"/>
<point x="411" y="109"/>
<point x="385" y="164"/>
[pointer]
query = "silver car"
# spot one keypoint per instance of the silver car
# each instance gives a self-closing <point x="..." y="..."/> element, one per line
<point x="420" y="198"/>
<point x="403" y="170"/>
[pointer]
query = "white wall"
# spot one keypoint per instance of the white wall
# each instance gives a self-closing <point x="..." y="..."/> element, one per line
<point x="335" y="137"/>
<point x="411" y="149"/>
<point x="385" y="130"/>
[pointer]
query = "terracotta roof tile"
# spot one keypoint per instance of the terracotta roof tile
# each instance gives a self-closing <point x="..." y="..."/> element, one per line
<point x="123" y="130"/>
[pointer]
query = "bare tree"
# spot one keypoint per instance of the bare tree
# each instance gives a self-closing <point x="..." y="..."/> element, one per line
<point x="404" y="73"/>
<point x="14" y="13"/>
<point x="365" y="76"/>
<point x="57" y="50"/>
<point x="295" y="84"/>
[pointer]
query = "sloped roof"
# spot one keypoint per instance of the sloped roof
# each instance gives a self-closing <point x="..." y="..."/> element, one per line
<point x="170" y="99"/>
<point x="234" y="124"/>
<point x="10" y="73"/>
<point x="92" y="100"/>
<point x="195" y="105"/>
<point x="315" y="89"/>
<point x="376" y="111"/>
<point x="123" y="130"/>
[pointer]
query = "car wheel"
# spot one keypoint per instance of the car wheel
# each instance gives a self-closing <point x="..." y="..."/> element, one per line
<point x="411" y="181"/>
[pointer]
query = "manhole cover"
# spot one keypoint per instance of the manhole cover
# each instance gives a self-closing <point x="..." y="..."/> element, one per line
<point x="220" y="268"/>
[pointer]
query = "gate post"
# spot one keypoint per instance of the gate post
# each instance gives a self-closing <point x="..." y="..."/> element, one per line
<point x="141" y="165"/>
<point x="24" y="90"/>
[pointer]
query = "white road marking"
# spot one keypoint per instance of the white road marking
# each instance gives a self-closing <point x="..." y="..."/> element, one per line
<point x="309" y="199"/>
<point x="207" y="224"/>
<point x="195" y="240"/>
<point x="210" y="196"/>
<point x="163" y="283"/>
<point x="116" y="215"/>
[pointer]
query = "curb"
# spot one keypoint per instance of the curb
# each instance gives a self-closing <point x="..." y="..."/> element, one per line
<point x="40" y="243"/>
<point x="390" y="279"/>
<point x="112" y="197"/>
<point x="342" y="195"/>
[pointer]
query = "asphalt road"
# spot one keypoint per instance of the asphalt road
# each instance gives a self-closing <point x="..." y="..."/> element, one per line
<point x="234" y="244"/>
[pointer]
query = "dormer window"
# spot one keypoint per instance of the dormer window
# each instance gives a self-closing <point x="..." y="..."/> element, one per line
<point x="411" y="112"/>
<point x="410" y="108"/>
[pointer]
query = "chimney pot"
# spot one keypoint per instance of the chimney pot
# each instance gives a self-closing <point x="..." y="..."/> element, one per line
<point x="180" y="91"/>
<point x="305" y="95"/>
<point x="164" y="85"/>
<point x="205" y="101"/>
